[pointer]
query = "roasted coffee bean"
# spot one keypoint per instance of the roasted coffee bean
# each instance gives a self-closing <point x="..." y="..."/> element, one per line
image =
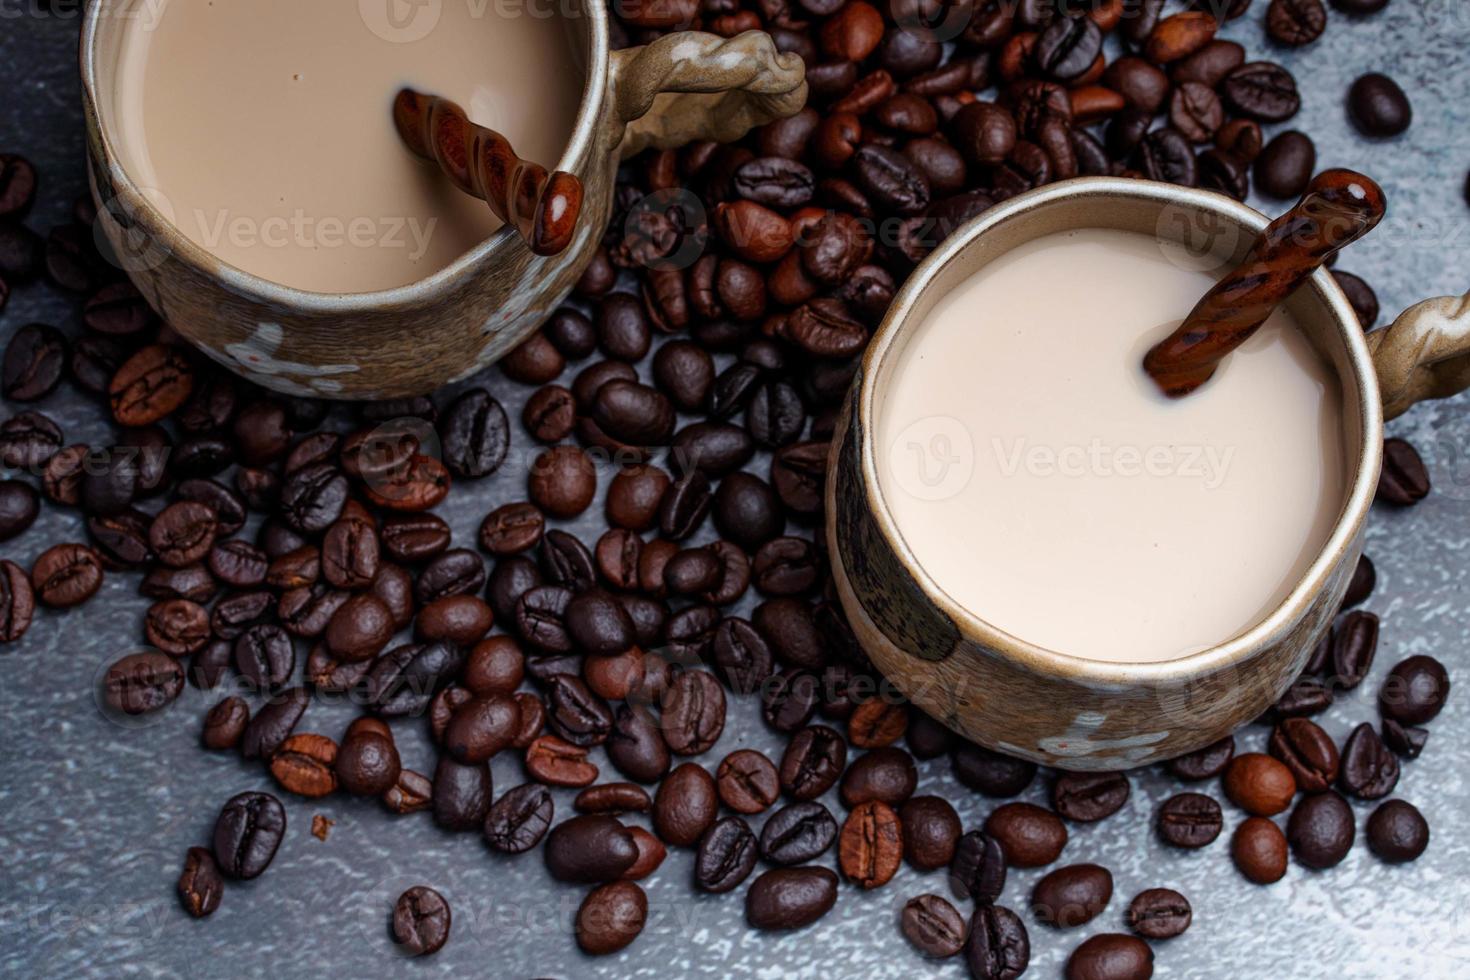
<point x="788" y="626"/>
<point x="309" y="611"/>
<point x="1321" y="830"/>
<point x="1190" y="820"/>
<point x="1309" y="752"/>
<point x="725" y="857"/>
<point x="813" y="762"/>
<point x="19" y="505"/>
<point x="349" y="554"/>
<point x="61" y="479"/>
<point x="412" y="793"/>
<point x="685" y="805"/>
<point x="1165" y="155"/>
<point x="1088" y="797"/>
<point x="178" y="627"/>
<point x="200" y="883"/>
<point x="713" y="448"/>
<point x="589" y="849"/>
<point x="613" y="798"/>
<point x="575" y="713"/>
<point x="121" y="541"/>
<point x="405" y="679"/>
<point x="1364" y="301"/>
<point x="193" y="582"/>
<point x="555" y="762"/>
<point x="34" y="359"/>
<point x="247" y="833"/>
<point x="482" y="727"/>
<point x="1404" y="480"/>
<point x="27" y="440"/>
<point x="610" y="918"/>
<point x="562" y="481"/>
<point x="1354" y="644"/>
<point x="1406" y="741"/>
<point x="684" y="372"/>
<point x="414" y="538"/>
<point x="1286" y="164"/>
<point x="870" y="846"/>
<point x="22" y="252"/>
<point x="495" y="666"/>
<point x="225" y="723"/>
<point x="150" y="385"/>
<point x="462" y="620"/>
<point x="933" y="925"/>
<point x="239" y="564"/>
<point x="1258" y="784"/>
<point x="519" y="819"/>
<point x="540" y="618"/>
<point x="368" y="762"/>
<point x="1397" y="832"/>
<point x="747" y="781"/>
<point x="931" y="832"/>
<point x="511" y="529"/>
<point x="1378" y="107"/>
<point x="273" y="723"/>
<point x="313" y="497"/>
<point x="978" y="868"/>
<point x="1369" y="770"/>
<point x="885" y="774"/>
<point x="17" y="185"/>
<point x="1259" y="850"/>
<point x="1072" y="896"/>
<point x="510" y="579"/>
<point x="1262" y="91"/>
<point x="571" y="333"/>
<point x="998" y="947"/>
<point x="66" y="575"/>
<point x="1415" y="691"/>
<point x="1159" y="913"/>
<point x="990" y="772"/>
<point x="304" y="765"/>
<point x="789" y="699"/>
<point x="790" y="898"/>
<point x="1295" y="22"/>
<point x="1029" y="835"/>
<point x="139" y="683"/>
<point x="622" y="327"/>
<point x="1111" y="956"/>
<point x="462" y="794"/>
<point x="774" y="181"/>
<point x="534" y="362"/>
<point x="797" y="834"/>
<point x="475" y="434"/>
<point x="421" y="921"/>
<point x="359" y="628"/>
<point x="877" y="723"/>
<point x="457" y="572"/>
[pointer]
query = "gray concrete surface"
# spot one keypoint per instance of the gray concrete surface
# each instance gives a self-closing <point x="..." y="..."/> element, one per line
<point x="95" y="818"/>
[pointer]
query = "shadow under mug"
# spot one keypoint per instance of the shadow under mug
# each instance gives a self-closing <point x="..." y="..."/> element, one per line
<point x="410" y="340"/>
<point x="1066" y="711"/>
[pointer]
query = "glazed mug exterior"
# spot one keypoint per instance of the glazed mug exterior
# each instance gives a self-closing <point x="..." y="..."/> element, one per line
<point x="409" y="340"/>
<point x="1074" y="713"/>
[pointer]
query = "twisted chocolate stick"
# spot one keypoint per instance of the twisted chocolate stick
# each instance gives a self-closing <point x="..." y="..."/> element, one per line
<point x="481" y="162"/>
<point x="1339" y="207"/>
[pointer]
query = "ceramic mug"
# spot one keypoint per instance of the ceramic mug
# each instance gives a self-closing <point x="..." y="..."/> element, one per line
<point x="409" y="340"/>
<point x="1044" y="705"/>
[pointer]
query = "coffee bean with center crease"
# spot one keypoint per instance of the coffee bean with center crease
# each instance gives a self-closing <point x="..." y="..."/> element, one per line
<point x="200" y="884"/>
<point x="304" y="765"/>
<point x="1309" y="752"/>
<point x="693" y="713"/>
<point x="142" y="682"/>
<point x="775" y="182"/>
<point x="1415" y="691"/>
<point x="17" y="602"/>
<point x="1204" y="763"/>
<point x="933" y="925"/>
<point x="797" y="834"/>
<point x="725" y="857"/>
<point x="421" y="921"/>
<point x="589" y="849"/>
<point x="556" y="762"/>
<point x="34" y="360"/>
<point x="1190" y="820"/>
<point x="741" y="655"/>
<point x="178" y="627"/>
<point x="403" y="681"/>
<point x="978" y="868"/>
<point x="747" y="781"/>
<point x="1067" y="47"/>
<point x="456" y="572"/>
<point x="685" y="805"/>
<point x="247" y="833"/>
<point x="272" y="723"/>
<point x="66" y="575"/>
<point x="1262" y="91"/>
<point x="1354" y="644"/>
<point x="511" y="529"/>
<point x="1088" y="797"/>
<point x="870" y="846"/>
<point x="1111" y="956"/>
<point x="540" y="618"/>
<point x="813" y="762"/>
<point x="519" y="819"/>
<point x="1397" y="832"/>
<point x="1159" y="913"/>
<point x="1073" y="895"/>
<point x="1321" y="830"/>
<point x="1369" y="770"/>
<point x="1295" y="22"/>
<point x="475" y="434"/>
<point x="790" y="898"/>
<point x="636" y="746"/>
<point x="997" y="947"/>
<point x="991" y="773"/>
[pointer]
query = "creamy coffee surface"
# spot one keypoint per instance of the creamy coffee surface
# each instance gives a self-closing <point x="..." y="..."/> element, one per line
<point x="1045" y="485"/>
<point x="263" y="129"/>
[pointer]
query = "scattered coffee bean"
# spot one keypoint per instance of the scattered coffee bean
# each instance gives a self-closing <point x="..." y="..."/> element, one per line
<point x="1111" y="956"/>
<point x="421" y="920"/>
<point x="1397" y="832"/>
<point x="1159" y="913"/>
<point x="1321" y="830"/>
<point x="248" y="832"/>
<point x="1190" y="820"/>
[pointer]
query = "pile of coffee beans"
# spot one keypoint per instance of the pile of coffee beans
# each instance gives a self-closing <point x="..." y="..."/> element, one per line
<point x="290" y="550"/>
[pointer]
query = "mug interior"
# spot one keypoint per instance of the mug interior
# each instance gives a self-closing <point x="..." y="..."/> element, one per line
<point x="104" y="33"/>
<point x="1212" y="225"/>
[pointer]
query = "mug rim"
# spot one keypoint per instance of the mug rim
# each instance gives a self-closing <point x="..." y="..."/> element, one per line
<point x="248" y="284"/>
<point x="1265" y="633"/>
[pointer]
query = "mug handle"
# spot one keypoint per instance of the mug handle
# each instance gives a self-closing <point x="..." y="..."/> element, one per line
<point x="694" y="86"/>
<point x="1424" y="354"/>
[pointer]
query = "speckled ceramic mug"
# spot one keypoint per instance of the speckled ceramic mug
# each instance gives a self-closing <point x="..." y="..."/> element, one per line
<point x="1067" y="711"/>
<point x="409" y="340"/>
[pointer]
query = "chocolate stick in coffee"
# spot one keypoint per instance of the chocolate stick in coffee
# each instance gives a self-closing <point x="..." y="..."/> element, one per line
<point x="542" y="207"/>
<point x="1339" y="207"/>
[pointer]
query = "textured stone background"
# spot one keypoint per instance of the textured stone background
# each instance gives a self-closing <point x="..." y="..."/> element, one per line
<point x="95" y="818"/>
